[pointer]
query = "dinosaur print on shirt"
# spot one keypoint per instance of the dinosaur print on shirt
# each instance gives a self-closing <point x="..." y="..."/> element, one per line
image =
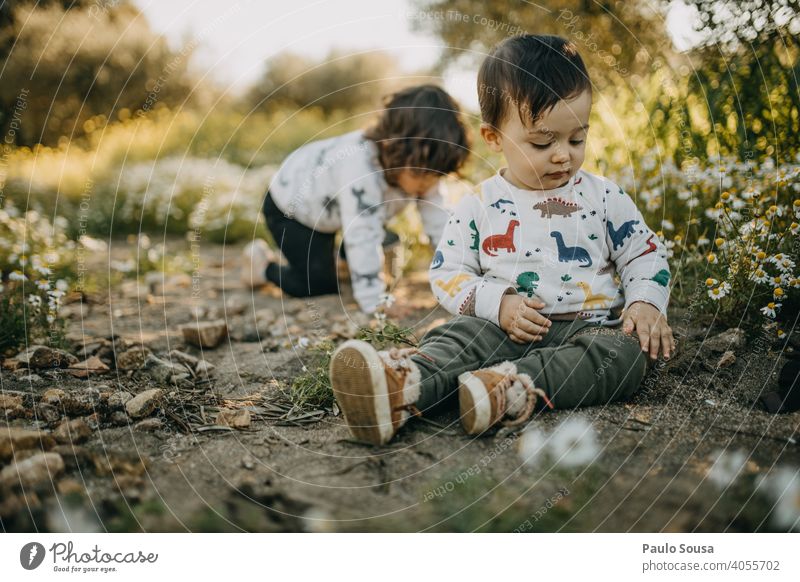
<point x="501" y="241"/>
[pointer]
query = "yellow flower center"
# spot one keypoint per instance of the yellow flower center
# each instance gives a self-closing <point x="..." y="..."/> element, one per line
<point x="778" y="291"/>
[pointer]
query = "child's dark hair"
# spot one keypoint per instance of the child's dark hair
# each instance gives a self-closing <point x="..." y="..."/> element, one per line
<point x="530" y="73"/>
<point x="420" y="129"/>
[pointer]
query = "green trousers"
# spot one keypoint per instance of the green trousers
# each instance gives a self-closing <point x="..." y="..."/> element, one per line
<point x="576" y="363"/>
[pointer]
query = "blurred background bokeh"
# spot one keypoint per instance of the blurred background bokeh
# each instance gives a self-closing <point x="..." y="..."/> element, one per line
<point x="128" y="117"/>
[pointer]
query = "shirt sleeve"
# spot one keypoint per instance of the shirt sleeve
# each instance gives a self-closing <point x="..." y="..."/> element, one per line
<point x="434" y="213"/>
<point x="456" y="276"/>
<point x="638" y="254"/>
<point x="363" y="214"/>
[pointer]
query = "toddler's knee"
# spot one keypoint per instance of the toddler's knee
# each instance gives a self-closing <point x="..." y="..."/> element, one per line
<point x="619" y="363"/>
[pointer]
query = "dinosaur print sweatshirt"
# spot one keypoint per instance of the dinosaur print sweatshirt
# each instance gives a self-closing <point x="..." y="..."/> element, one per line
<point x="337" y="184"/>
<point x="583" y="248"/>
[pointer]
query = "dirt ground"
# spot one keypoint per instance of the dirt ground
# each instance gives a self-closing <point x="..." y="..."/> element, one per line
<point x="274" y="476"/>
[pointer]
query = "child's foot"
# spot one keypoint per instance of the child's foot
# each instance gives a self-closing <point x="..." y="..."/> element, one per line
<point x="376" y="391"/>
<point x="255" y="258"/>
<point x="496" y="395"/>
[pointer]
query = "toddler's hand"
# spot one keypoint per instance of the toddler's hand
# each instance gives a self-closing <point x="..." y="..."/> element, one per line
<point x="520" y="319"/>
<point x="651" y="327"/>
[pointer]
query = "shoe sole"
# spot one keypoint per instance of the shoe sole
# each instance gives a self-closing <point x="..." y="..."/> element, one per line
<point x="473" y="404"/>
<point x="359" y="385"/>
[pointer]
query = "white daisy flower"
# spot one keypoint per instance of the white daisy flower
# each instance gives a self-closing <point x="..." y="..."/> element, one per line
<point x="387" y="299"/>
<point x="770" y="308"/>
<point x="702" y="241"/>
<point x="667" y="225"/>
<point x="17" y="276"/>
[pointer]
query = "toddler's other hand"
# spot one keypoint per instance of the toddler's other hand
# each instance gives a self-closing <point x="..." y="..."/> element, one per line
<point x="651" y="327"/>
<point x="520" y="319"/>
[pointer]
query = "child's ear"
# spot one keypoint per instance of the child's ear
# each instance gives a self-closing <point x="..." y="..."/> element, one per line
<point x="492" y="137"/>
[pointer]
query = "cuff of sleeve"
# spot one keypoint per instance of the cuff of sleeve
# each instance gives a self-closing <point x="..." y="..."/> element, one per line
<point x="649" y="292"/>
<point x="487" y="300"/>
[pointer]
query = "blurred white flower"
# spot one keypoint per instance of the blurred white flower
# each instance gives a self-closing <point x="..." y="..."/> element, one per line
<point x="573" y="443"/>
<point x="531" y="446"/>
<point x="386" y="299"/>
<point x="17" y="276"/>
<point x="726" y="468"/>
<point x="304" y="342"/>
<point x="782" y="487"/>
<point x="770" y="308"/>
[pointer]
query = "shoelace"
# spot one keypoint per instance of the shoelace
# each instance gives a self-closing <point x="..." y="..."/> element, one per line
<point x="400" y="361"/>
<point x="531" y="395"/>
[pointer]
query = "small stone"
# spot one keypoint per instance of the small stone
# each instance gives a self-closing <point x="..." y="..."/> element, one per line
<point x="49" y="413"/>
<point x="41" y="469"/>
<point x="731" y="339"/>
<point x="238" y="418"/>
<point x="39" y="357"/>
<point x="53" y="396"/>
<point x="265" y="316"/>
<point x="72" y="431"/>
<point x="727" y="359"/>
<point x="10" y="402"/>
<point x="133" y="358"/>
<point x="164" y="372"/>
<point x="88" y="367"/>
<point x="204" y="369"/>
<point x="119" y="418"/>
<point x="118" y="399"/>
<point x="143" y="404"/>
<point x="187" y="360"/>
<point x="14" y="439"/>
<point x="248" y="462"/>
<point x="207" y="334"/>
<point x="149" y="425"/>
<point x="68" y="486"/>
<point x="81" y="402"/>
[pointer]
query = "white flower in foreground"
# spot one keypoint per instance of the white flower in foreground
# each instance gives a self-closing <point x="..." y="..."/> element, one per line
<point x="702" y="241"/>
<point x="770" y="308"/>
<point x="304" y="342"/>
<point x="387" y="299"/>
<point x="726" y="468"/>
<point x="17" y="276"/>
<point x="782" y="486"/>
<point x="573" y="443"/>
<point x="531" y="446"/>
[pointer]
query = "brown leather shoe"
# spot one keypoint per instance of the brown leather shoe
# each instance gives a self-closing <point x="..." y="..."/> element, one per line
<point x="376" y="391"/>
<point x="496" y="395"/>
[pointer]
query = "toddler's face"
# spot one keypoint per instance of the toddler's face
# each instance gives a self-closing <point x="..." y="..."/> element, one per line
<point x="545" y="155"/>
<point x="416" y="183"/>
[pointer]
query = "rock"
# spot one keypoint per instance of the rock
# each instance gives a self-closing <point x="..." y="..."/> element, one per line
<point x="119" y="418"/>
<point x="204" y="369"/>
<point x="88" y="367"/>
<point x="149" y="425"/>
<point x="41" y="469"/>
<point x="248" y="462"/>
<point x="731" y="339"/>
<point x="72" y="431"/>
<point x="17" y="439"/>
<point x="207" y="334"/>
<point x="239" y="418"/>
<point x="89" y="349"/>
<point x="81" y="402"/>
<point x="133" y="358"/>
<point x="727" y="359"/>
<point x="344" y="330"/>
<point x="164" y="372"/>
<point x="143" y="404"/>
<point x="39" y="357"/>
<point x="187" y="360"/>
<point x="53" y="396"/>
<point x="118" y="399"/>
<point x="265" y="316"/>
<point x="49" y="413"/>
<point x="11" y="405"/>
<point x="235" y="306"/>
<point x="67" y="487"/>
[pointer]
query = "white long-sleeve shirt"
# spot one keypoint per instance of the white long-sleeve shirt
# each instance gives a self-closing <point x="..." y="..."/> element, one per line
<point x="337" y="184"/>
<point x="582" y="248"/>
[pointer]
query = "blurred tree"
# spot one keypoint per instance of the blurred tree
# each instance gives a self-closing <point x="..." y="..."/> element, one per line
<point x="341" y="82"/>
<point x="69" y="66"/>
<point x="746" y="74"/>
<point x="616" y="39"/>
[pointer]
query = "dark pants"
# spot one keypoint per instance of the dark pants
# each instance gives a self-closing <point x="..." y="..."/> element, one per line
<point x="576" y="364"/>
<point x="311" y="268"/>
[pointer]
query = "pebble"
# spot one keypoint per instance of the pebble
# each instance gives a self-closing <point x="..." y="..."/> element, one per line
<point x="72" y="431"/>
<point x="149" y="425"/>
<point x="727" y="359"/>
<point x="238" y="418"/>
<point x="40" y="469"/>
<point x="133" y="358"/>
<point x="143" y="404"/>
<point x="731" y="339"/>
<point x="206" y="334"/>
<point x="118" y="399"/>
<point x="38" y="357"/>
<point x="14" y="439"/>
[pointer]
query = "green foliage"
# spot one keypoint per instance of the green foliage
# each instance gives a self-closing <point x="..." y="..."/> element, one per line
<point x="68" y="70"/>
<point x="312" y="388"/>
